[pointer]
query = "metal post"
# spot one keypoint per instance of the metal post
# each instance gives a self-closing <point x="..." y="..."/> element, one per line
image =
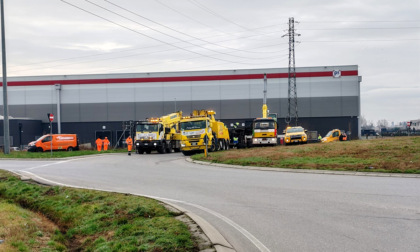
<point x="20" y="135"/>
<point x="5" y="104"/>
<point x="206" y="150"/>
<point x="58" y="88"/>
<point x="51" y="136"/>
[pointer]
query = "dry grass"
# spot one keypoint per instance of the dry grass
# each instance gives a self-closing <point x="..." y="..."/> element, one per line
<point x="23" y="230"/>
<point x="398" y="154"/>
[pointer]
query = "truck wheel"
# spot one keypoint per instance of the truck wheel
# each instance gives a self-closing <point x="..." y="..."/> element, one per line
<point x="221" y="145"/>
<point x="70" y="149"/>
<point x="140" y="151"/>
<point x="213" y="145"/>
<point x="187" y="153"/>
<point x="39" y="149"/>
<point x="148" y="151"/>
<point x="162" y="149"/>
<point x="226" y="144"/>
<point x="177" y="149"/>
<point x="169" y="148"/>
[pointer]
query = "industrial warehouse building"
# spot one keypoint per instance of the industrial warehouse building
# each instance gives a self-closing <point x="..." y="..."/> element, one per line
<point x="96" y="105"/>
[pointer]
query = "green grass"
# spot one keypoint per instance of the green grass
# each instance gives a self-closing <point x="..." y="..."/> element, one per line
<point x="99" y="221"/>
<point x="56" y="154"/>
<point x="24" y="230"/>
<point x="393" y="155"/>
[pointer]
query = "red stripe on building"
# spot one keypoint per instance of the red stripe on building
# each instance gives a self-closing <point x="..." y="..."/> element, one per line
<point x="178" y="79"/>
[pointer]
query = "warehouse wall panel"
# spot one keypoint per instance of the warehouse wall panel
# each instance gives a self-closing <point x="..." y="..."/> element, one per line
<point x="121" y="111"/>
<point x="234" y="109"/>
<point x="149" y="92"/>
<point x="149" y="109"/>
<point x="16" y="110"/>
<point x="93" y="112"/>
<point x="70" y="113"/>
<point x="326" y="106"/>
<point x="350" y="106"/>
<point x="39" y="111"/>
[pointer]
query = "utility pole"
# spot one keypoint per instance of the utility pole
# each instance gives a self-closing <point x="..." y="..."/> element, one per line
<point x="6" y="132"/>
<point x="292" y="111"/>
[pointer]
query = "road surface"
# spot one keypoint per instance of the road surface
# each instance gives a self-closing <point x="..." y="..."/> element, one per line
<point x="258" y="210"/>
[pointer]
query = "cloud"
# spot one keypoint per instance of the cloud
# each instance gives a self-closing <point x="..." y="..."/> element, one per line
<point x="51" y="37"/>
<point x="100" y="47"/>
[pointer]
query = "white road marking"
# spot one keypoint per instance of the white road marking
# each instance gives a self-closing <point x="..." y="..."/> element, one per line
<point x="55" y="163"/>
<point x="261" y="247"/>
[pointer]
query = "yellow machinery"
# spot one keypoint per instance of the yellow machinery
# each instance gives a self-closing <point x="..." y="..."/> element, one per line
<point x="201" y="128"/>
<point x="264" y="130"/>
<point x="334" y="135"/>
<point x="295" y="135"/>
<point x="161" y="134"/>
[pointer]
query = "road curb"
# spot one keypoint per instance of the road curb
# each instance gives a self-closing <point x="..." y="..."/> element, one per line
<point x="349" y="173"/>
<point x="218" y="241"/>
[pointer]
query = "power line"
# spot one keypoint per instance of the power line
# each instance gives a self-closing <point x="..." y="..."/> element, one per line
<point x="185" y="41"/>
<point x="159" y="40"/>
<point x="172" y="29"/>
<point x="352" y="41"/>
<point x="193" y="19"/>
<point x="362" y="21"/>
<point x="362" y="28"/>
<point x="205" y="8"/>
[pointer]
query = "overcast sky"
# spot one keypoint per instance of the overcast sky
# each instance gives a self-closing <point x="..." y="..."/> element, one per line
<point x="382" y="37"/>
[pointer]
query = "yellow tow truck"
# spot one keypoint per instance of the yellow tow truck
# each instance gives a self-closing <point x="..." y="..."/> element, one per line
<point x="264" y="130"/>
<point x="295" y="135"/>
<point x="201" y="128"/>
<point x="161" y="134"/>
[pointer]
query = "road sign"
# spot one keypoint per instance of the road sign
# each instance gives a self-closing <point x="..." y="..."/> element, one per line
<point x="408" y="124"/>
<point x="51" y="117"/>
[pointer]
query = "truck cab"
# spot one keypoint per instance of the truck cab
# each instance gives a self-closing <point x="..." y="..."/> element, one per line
<point x="161" y="134"/>
<point x="264" y="132"/>
<point x="295" y="135"/>
<point x="194" y="135"/>
<point x="201" y="128"/>
<point x="149" y="136"/>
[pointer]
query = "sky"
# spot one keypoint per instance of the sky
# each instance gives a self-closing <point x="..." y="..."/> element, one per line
<point x="382" y="37"/>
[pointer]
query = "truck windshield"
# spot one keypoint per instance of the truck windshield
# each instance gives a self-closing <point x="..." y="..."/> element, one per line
<point x="295" y="130"/>
<point x="193" y="125"/>
<point x="147" y="127"/>
<point x="264" y="125"/>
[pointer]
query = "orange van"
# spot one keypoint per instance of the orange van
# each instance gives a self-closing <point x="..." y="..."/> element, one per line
<point x="67" y="142"/>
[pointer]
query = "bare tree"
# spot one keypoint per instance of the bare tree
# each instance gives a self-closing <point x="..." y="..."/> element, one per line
<point x="383" y="123"/>
<point x="363" y="121"/>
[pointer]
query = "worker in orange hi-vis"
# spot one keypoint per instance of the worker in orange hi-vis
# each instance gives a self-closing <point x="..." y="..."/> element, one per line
<point x="106" y="143"/>
<point x="98" y="144"/>
<point x="129" y="142"/>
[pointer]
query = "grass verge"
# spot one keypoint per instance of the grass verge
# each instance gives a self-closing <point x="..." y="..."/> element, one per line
<point x="394" y="155"/>
<point x="56" y="154"/>
<point x="88" y="220"/>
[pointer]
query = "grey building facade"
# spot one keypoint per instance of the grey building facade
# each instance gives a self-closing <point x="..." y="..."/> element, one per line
<point x="328" y="97"/>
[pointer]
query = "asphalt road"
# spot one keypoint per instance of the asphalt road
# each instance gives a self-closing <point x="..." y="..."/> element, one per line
<point x="258" y="210"/>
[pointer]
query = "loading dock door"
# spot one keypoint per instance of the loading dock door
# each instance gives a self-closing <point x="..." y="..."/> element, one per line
<point x="104" y="133"/>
